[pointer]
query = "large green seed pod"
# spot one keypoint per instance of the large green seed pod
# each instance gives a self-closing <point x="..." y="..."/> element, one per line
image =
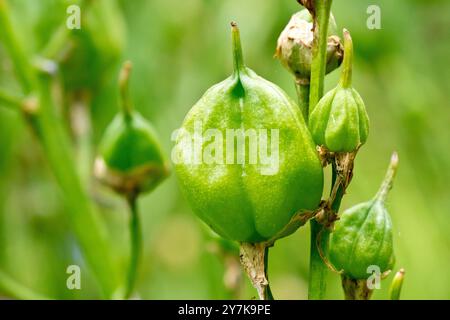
<point x="294" y="46"/>
<point x="130" y="158"/>
<point x="241" y="194"/>
<point x="340" y="121"/>
<point x="363" y="235"/>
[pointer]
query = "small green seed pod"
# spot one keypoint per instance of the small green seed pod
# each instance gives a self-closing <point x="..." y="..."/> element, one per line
<point x="294" y="46"/>
<point x="339" y="121"/>
<point x="130" y="159"/>
<point x="237" y="192"/>
<point x="363" y="236"/>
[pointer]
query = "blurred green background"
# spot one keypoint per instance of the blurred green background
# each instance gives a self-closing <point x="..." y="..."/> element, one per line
<point x="179" y="49"/>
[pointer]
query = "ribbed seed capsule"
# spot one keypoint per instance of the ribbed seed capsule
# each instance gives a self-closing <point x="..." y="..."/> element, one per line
<point x="362" y="238"/>
<point x="238" y="191"/>
<point x="339" y="121"/>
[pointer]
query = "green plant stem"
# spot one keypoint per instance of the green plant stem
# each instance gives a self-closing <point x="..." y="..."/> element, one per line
<point x="136" y="244"/>
<point x="303" y="98"/>
<point x="10" y="101"/>
<point x="318" y="270"/>
<point x="18" y="56"/>
<point x="60" y="39"/>
<point x="56" y="43"/>
<point x="317" y="285"/>
<point x="84" y="222"/>
<point x="319" y="50"/>
<point x="12" y="289"/>
<point x="82" y="132"/>
<point x="55" y="143"/>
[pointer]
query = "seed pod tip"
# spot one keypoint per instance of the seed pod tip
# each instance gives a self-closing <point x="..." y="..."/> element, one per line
<point x="346" y="33"/>
<point x="124" y="79"/>
<point x="394" y="159"/>
<point x="396" y="285"/>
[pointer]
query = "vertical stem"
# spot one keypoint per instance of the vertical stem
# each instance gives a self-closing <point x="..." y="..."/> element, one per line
<point x="10" y="101"/>
<point x="60" y="39"/>
<point x="19" y="58"/>
<point x="85" y="223"/>
<point x="13" y="289"/>
<point x="303" y="98"/>
<point x="319" y="50"/>
<point x="317" y="278"/>
<point x="81" y="127"/>
<point x="318" y="270"/>
<point x="136" y="243"/>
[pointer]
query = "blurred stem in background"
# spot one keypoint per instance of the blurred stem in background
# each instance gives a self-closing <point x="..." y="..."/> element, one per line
<point x="10" y="41"/>
<point x="136" y="245"/>
<point x="229" y="284"/>
<point x="58" y="45"/>
<point x="81" y="126"/>
<point x="40" y="113"/>
<point x="15" y="290"/>
<point x="10" y="101"/>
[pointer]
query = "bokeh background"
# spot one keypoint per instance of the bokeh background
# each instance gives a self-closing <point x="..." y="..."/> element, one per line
<point x="179" y="49"/>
